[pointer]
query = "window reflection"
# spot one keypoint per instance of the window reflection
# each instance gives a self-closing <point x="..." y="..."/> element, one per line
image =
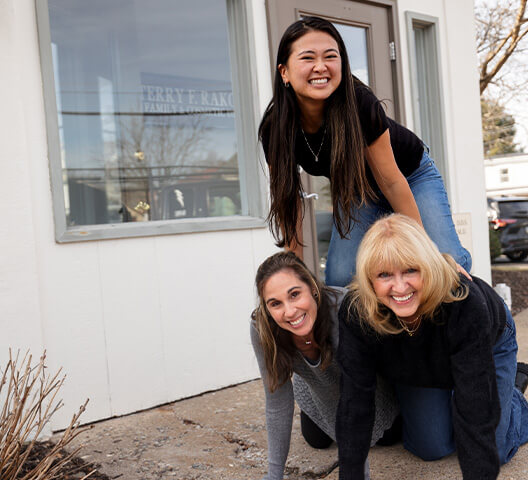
<point x="146" y="114"/>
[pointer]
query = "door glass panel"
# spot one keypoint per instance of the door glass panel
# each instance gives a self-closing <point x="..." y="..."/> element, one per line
<point x="355" y="39"/>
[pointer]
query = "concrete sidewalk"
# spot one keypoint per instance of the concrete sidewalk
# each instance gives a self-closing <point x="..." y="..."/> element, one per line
<point x="222" y="436"/>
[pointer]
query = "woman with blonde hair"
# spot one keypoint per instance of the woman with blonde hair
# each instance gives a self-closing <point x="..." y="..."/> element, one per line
<point x="294" y="332"/>
<point x="445" y="343"/>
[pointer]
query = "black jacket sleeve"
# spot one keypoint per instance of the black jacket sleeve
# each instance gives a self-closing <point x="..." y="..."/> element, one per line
<point x="356" y="408"/>
<point x="476" y="407"/>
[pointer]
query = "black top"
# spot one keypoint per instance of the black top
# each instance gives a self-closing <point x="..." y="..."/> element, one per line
<point x="407" y="147"/>
<point x="453" y="351"/>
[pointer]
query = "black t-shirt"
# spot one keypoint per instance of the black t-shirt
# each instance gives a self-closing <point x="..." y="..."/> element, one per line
<point x="407" y="147"/>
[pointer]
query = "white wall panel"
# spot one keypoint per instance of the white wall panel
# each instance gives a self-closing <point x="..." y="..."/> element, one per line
<point x="19" y="296"/>
<point x="131" y="309"/>
<point x="206" y="297"/>
<point x="73" y="323"/>
<point x="68" y="276"/>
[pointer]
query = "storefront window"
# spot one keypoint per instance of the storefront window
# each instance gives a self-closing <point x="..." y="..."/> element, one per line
<point x="146" y="111"/>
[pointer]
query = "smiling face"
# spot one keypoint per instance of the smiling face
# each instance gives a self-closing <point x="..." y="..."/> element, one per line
<point x="290" y="302"/>
<point x="400" y="290"/>
<point x="313" y="68"/>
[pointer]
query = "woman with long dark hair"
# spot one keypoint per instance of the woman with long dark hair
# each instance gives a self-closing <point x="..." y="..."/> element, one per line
<point x="294" y="332"/>
<point x="446" y="344"/>
<point x="323" y="119"/>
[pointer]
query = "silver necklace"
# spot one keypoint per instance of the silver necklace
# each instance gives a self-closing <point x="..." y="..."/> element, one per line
<point x="316" y="157"/>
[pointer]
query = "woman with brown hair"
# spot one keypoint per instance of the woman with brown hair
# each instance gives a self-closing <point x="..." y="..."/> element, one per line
<point x="446" y="344"/>
<point x="325" y="120"/>
<point x="294" y="332"/>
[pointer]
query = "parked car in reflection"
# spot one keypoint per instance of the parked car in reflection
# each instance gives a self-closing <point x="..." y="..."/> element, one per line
<point x="509" y="216"/>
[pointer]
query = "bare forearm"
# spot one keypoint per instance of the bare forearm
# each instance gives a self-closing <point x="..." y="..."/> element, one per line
<point x="389" y="178"/>
<point x="401" y="199"/>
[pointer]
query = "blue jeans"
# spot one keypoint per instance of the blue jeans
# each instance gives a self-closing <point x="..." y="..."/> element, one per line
<point x="429" y="192"/>
<point x="426" y="412"/>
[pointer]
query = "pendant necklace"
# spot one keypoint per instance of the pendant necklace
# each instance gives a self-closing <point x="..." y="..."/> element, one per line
<point x="316" y="157"/>
<point x="410" y="331"/>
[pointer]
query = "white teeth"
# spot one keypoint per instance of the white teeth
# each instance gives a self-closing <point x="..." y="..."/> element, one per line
<point x="319" y="81"/>
<point x="296" y="322"/>
<point x="402" y="299"/>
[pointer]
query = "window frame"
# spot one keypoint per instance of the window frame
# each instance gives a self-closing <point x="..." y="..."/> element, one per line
<point x="434" y="88"/>
<point x="242" y="53"/>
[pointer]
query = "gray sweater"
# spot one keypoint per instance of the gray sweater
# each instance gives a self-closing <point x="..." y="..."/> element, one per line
<point x="317" y="394"/>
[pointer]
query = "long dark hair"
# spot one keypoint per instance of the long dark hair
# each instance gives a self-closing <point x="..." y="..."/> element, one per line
<point x="278" y="131"/>
<point x="277" y="343"/>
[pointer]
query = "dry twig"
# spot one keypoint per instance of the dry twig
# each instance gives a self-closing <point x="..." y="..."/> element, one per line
<point x="29" y="398"/>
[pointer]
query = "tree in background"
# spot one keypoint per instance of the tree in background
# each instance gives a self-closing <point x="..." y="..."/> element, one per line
<point x="498" y="129"/>
<point x="502" y="26"/>
<point x="502" y="44"/>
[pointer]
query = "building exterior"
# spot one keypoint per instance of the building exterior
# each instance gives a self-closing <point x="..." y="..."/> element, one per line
<point x="507" y="175"/>
<point x="133" y="184"/>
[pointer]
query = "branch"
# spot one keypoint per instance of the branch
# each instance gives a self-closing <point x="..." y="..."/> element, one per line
<point x="503" y="46"/>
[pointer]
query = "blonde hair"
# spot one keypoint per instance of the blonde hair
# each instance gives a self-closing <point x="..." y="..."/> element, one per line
<point x="398" y="242"/>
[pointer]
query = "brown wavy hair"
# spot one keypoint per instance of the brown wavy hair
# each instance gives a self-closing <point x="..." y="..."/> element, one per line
<point x="398" y="242"/>
<point x="277" y="343"/>
<point x="278" y="131"/>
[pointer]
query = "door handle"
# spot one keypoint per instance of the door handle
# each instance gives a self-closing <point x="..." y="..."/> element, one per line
<point x="315" y="196"/>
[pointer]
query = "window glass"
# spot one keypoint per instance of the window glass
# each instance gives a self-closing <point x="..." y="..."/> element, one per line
<point x="146" y="112"/>
<point x="355" y="39"/>
<point x="427" y="98"/>
<point x="513" y="209"/>
<point x="423" y="123"/>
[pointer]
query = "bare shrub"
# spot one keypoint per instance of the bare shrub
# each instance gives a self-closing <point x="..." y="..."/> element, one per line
<point x="28" y="400"/>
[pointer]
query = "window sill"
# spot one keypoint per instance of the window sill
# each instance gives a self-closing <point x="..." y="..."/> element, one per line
<point x="155" y="228"/>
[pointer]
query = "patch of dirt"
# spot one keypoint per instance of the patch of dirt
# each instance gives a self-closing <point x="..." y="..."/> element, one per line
<point x="75" y="469"/>
<point x="517" y="280"/>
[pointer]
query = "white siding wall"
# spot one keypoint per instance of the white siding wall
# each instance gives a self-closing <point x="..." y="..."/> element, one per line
<point x="19" y="270"/>
<point x="515" y="182"/>
<point x="143" y="321"/>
